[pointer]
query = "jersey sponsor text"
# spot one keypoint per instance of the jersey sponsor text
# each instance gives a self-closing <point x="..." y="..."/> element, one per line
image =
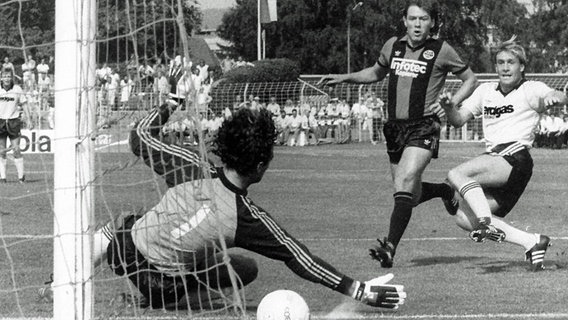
<point x="498" y="111"/>
<point x="408" y="67"/>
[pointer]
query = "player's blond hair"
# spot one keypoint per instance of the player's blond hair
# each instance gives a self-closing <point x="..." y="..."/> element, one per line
<point x="514" y="48"/>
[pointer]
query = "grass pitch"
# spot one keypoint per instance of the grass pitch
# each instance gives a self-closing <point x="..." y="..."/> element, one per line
<point x="337" y="199"/>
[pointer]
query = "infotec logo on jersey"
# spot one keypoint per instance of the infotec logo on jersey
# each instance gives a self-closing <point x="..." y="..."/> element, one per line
<point x="408" y="67"/>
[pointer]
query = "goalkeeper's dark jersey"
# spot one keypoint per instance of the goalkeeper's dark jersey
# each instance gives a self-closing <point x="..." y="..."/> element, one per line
<point x="196" y="212"/>
<point x="416" y="75"/>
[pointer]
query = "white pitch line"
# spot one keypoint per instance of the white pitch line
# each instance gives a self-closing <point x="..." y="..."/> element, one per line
<point x="407" y="239"/>
<point x="364" y="316"/>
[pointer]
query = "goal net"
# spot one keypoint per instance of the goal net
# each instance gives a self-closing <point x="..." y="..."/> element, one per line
<point x="89" y="72"/>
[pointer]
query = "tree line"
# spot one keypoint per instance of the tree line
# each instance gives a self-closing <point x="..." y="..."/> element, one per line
<point x="314" y="32"/>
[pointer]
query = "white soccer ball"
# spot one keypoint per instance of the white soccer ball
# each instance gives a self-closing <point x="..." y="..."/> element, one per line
<point x="283" y="305"/>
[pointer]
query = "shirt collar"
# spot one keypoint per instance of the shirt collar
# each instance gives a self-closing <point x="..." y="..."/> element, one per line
<point x="228" y="184"/>
<point x="523" y="80"/>
<point x="405" y="39"/>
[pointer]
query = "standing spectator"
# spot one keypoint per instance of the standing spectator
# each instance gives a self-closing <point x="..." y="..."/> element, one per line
<point x="11" y="99"/>
<point x="358" y="116"/>
<point x="42" y="68"/>
<point x="295" y="128"/>
<point x="273" y="107"/>
<point x="126" y="85"/>
<point x="51" y="64"/>
<point x="112" y="87"/>
<point x="242" y="63"/>
<point x="312" y="128"/>
<point x="162" y="86"/>
<point x="256" y="104"/>
<point x="417" y="65"/>
<point x="45" y="93"/>
<point x="28" y="72"/>
<point x="203" y="71"/>
<point x="376" y="105"/>
<point x="491" y="184"/>
<point x="7" y="65"/>
<point x="238" y="103"/>
<point x="227" y="64"/>
<point x="555" y="131"/>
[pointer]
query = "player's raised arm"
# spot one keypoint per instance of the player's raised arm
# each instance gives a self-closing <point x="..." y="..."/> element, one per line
<point x="367" y="75"/>
<point x="176" y="163"/>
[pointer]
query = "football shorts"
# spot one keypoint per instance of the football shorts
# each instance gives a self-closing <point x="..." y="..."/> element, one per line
<point x="422" y="133"/>
<point x="520" y="159"/>
<point x="10" y="128"/>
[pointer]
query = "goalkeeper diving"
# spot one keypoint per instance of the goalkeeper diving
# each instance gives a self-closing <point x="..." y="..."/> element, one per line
<point x="171" y="253"/>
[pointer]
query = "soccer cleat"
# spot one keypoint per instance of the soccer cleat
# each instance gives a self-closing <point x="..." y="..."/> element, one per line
<point x="22" y="180"/>
<point x="536" y="254"/>
<point x="452" y="205"/>
<point x="487" y="231"/>
<point x="384" y="253"/>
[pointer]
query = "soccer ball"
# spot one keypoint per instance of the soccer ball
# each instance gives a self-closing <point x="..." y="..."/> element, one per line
<point x="283" y="305"/>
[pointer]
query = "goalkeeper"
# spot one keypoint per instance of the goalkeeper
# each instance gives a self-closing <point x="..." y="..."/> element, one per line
<point x="170" y="252"/>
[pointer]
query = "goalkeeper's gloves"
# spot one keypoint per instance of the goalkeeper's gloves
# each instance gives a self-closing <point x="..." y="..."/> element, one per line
<point x="377" y="293"/>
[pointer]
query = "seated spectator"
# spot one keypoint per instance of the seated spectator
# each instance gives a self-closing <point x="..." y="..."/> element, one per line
<point x="313" y="128"/>
<point x="242" y="63"/>
<point x="304" y="107"/>
<point x="282" y="124"/>
<point x="289" y="106"/>
<point x="296" y="128"/>
<point x="203" y="71"/>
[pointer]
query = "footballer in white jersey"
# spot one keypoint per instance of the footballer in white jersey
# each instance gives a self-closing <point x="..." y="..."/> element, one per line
<point x="509" y="117"/>
<point x="11" y="99"/>
<point x="492" y="183"/>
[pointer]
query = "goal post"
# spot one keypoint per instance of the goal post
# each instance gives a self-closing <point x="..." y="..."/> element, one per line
<point x="75" y="31"/>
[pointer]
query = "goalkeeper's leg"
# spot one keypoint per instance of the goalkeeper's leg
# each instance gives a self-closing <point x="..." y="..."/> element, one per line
<point x="215" y="282"/>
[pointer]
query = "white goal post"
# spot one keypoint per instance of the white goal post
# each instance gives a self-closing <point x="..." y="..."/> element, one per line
<point x="75" y="63"/>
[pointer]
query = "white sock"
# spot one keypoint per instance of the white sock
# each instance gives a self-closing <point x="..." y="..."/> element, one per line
<point x="516" y="236"/>
<point x="19" y="162"/>
<point x="3" y="168"/>
<point x="101" y="239"/>
<point x="473" y="194"/>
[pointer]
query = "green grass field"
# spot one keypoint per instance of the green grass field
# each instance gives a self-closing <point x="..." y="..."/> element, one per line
<point x="337" y="199"/>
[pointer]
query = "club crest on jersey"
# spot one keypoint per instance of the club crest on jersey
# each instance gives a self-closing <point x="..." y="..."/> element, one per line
<point x="397" y="53"/>
<point x="408" y="67"/>
<point x="428" y="54"/>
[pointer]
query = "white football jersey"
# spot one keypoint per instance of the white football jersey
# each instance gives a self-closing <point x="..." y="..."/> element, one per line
<point x="511" y="117"/>
<point x="9" y="102"/>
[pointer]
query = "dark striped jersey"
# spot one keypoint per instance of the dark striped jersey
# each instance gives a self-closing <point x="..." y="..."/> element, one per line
<point x="200" y="211"/>
<point x="417" y="75"/>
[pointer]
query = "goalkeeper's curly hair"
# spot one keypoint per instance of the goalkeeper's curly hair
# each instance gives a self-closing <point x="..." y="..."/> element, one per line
<point x="245" y="140"/>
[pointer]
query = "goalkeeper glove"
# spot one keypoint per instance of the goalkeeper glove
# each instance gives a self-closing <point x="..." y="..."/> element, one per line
<point x="377" y="293"/>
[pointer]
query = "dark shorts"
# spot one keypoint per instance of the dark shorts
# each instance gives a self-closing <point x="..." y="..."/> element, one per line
<point x="10" y="128"/>
<point x="159" y="289"/>
<point x="422" y="133"/>
<point x="508" y="194"/>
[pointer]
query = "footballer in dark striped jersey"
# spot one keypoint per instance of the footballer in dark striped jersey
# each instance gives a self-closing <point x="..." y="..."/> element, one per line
<point x="417" y="65"/>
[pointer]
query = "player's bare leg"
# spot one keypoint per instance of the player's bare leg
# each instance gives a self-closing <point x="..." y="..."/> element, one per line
<point x="18" y="159"/>
<point x="3" y="160"/>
